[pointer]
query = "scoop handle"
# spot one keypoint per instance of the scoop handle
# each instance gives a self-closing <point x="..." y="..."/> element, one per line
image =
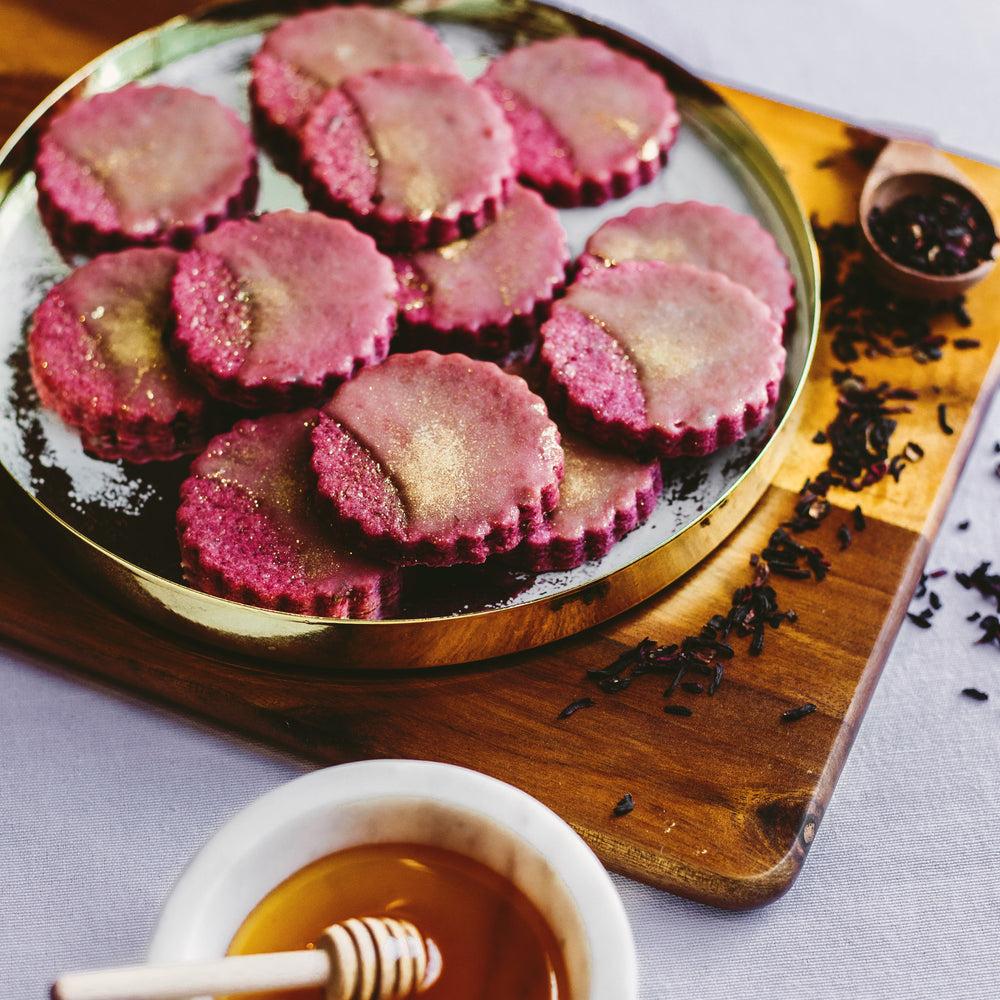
<point x="236" y="974"/>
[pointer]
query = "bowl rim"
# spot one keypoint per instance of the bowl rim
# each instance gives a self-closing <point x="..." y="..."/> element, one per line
<point x="610" y="944"/>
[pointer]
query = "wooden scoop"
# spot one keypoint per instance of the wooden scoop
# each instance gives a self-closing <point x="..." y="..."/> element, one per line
<point x="371" y="958"/>
<point x="913" y="168"/>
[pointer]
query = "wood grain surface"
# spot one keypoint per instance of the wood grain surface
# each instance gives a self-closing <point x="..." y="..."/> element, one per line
<point x="728" y="799"/>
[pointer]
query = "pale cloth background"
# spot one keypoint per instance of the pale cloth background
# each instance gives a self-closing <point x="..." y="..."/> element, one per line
<point x="105" y="798"/>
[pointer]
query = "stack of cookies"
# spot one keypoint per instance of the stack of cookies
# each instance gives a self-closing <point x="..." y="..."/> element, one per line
<point x="411" y="371"/>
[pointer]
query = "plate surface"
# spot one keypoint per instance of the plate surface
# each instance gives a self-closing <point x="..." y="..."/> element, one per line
<point x="114" y="524"/>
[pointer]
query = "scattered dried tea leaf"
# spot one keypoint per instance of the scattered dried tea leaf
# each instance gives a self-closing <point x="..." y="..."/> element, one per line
<point x="794" y="714"/>
<point x="575" y="706"/>
<point x="624" y="805"/>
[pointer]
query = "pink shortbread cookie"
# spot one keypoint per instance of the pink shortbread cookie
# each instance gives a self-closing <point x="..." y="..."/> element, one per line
<point x="486" y="294"/>
<point x="249" y="530"/>
<point x="661" y="359"/>
<point x="603" y="496"/>
<point x="710" y="236"/>
<point x="277" y="311"/>
<point x="415" y="156"/>
<point x="314" y="52"/>
<point x="437" y="458"/>
<point x="98" y="360"/>
<point x="116" y="169"/>
<point x="591" y="123"/>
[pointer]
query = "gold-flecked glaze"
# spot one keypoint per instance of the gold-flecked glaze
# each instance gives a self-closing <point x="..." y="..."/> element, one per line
<point x="418" y="119"/>
<point x="590" y="100"/>
<point x="149" y="178"/>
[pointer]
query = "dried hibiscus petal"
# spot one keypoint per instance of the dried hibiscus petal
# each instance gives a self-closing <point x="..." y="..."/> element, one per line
<point x="794" y="714"/>
<point x="624" y="805"/>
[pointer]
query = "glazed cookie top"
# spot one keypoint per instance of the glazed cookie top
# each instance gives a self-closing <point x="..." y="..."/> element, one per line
<point x="438" y="458"/>
<point x="668" y="356"/>
<point x="597" y="485"/>
<point x="282" y="307"/>
<point x="118" y="305"/>
<point x="421" y="148"/>
<point x="311" y="53"/>
<point x="710" y="236"/>
<point x="499" y="272"/>
<point x="604" y="495"/>
<point x="126" y="158"/>
<point x="98" y="357"/>
<point x="249" y="527"/>
<point x="583" y="113"/>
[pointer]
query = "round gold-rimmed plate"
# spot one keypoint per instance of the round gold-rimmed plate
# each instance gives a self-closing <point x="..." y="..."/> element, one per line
<point x="112" y="524"/>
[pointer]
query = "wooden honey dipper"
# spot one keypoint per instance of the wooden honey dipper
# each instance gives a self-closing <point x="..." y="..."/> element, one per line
<point x="367" y="958"/>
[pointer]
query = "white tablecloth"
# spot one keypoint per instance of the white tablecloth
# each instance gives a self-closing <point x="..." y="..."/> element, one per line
<point x="105" y="798"/>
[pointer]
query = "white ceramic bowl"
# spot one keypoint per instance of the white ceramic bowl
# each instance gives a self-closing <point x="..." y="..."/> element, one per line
<point x="416" y="802"/>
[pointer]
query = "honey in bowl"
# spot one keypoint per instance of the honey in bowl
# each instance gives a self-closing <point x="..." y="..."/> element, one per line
<point x="494" y="943"/>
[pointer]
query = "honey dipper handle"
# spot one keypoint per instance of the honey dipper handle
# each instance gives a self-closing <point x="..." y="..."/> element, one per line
<point x="236" y="974"/>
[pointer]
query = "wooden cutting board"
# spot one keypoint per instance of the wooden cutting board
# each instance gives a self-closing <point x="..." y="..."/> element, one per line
<point x="727" y="800"/>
